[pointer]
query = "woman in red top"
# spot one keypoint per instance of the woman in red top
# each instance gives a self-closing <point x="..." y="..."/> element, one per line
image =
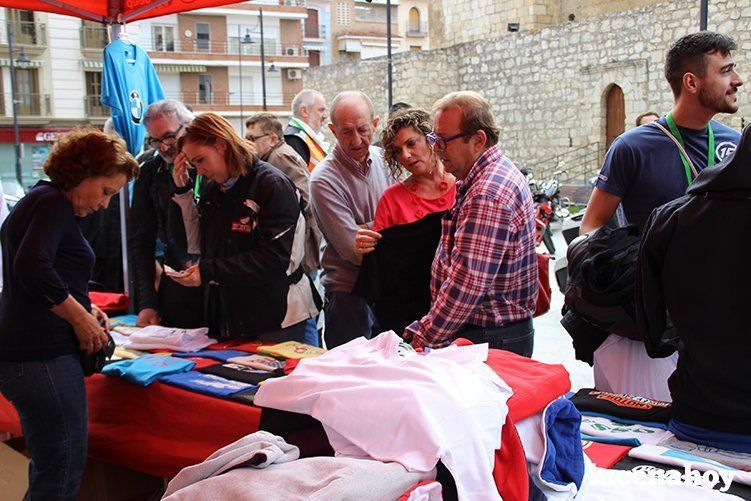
<point x="426" y="190"/>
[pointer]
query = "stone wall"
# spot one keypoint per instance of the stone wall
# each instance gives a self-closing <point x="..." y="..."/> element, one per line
<point x="548" y="87"/>
<point x="459" y="21"/>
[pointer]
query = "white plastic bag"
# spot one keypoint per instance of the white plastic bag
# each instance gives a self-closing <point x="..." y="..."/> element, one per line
<point x="621" y="365"/>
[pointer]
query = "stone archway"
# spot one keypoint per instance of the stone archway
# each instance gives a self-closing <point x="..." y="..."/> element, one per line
<point x="615" y="113"/>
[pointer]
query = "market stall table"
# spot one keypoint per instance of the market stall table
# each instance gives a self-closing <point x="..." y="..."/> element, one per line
<point x="158" y="429"/>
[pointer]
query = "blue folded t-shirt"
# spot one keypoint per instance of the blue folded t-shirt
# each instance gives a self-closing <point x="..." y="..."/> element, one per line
<point x="146" y="369"/>
<point x="208" y="384"/>
<point x="221" y="355"/>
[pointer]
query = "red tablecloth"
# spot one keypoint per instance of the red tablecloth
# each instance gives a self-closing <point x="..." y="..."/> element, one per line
<point x="160" y="429"/>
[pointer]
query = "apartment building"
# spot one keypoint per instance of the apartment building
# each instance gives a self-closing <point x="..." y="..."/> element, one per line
<point x="210" y="59"/>
<point x="357" y="29"/>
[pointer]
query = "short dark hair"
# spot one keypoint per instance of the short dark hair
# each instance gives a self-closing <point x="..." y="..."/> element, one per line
<point x="687" y="55"/>
<point x="644" y="115"/>
<point x="87" y="152"/>
<point x="268" y="123"/>
<point x="398" y="107"/>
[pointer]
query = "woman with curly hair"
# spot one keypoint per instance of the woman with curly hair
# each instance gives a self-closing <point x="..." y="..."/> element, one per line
<point x="252" y="234"/>
<point x="46" y="317"/>
<point x="407" y="223"/>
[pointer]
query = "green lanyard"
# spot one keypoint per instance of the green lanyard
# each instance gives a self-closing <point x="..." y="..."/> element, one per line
<point x="196" y="186"/>
<point x="677" y="134"/>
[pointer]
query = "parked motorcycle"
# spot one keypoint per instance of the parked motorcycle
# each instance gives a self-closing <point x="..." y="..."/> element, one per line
<point x="549" y="206"/>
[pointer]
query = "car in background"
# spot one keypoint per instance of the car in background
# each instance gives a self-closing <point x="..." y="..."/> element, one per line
<point x="13" y="192"/>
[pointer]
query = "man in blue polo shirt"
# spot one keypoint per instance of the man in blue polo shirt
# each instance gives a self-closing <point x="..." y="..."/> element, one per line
<point x="645" y="169"/>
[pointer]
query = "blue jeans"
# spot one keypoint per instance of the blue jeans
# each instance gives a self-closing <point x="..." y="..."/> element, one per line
<point x="294" y="332"/>
<point x="347" y="317"/>
<point x="517" y="337"/>
<point x="50" y="398"/>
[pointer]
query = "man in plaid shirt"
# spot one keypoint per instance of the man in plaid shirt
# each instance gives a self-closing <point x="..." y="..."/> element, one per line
<point x="484" y="274"/>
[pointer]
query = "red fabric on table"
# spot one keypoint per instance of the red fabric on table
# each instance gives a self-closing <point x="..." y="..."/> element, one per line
<point x="510" y="468"/>
<point x="535" y="384"/>
<point x="202" y="363"/>
<point x="157" y="429"/>
<point x="110" y="301"/>
<point x="160" y="429"/>
<point x="604" y="455"/>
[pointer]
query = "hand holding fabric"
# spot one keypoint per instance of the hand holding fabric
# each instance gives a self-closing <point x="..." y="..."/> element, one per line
<point x="90" y="334"/>
<point x="365" y="241"/>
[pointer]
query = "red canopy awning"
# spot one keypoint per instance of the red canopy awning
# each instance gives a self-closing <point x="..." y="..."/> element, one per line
<point x="112" y="11"/>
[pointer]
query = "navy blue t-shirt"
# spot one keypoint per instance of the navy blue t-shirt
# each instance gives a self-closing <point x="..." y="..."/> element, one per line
<point x="643" y="166"/>
<point x="45" y="259"/>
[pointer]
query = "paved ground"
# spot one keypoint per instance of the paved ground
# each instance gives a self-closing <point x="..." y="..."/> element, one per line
<point x="552" y="342"/>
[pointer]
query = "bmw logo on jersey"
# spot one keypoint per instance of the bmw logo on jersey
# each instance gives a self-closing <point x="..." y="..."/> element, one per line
<point x="136" y="107"/>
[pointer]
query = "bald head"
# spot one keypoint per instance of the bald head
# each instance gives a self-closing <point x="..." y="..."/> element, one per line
<point x="353" y="123"/>
<point x="352" y="99"/>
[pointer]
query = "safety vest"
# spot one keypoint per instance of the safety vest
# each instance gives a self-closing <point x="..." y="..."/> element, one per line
<point x="317" y="153"/>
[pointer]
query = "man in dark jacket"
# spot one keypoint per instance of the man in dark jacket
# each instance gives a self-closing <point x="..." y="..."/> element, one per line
<point x="692" y="294"/>
<point x="155" y="219"/>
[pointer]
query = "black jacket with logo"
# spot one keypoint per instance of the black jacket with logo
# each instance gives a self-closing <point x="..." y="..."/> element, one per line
<point x="693" y="269"/>
<point x="247" y="235"/>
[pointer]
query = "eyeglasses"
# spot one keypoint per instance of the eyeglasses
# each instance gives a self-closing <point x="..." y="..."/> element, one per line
<point x="166" y="140"/>
<point x="255" y="138"/>
<point x="442" y="142"/>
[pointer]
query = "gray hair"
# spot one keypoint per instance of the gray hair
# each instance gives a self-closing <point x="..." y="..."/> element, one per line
<point x="170" y="108"/>
<point x="307" y="98"/>
<point x="347" y="95"/>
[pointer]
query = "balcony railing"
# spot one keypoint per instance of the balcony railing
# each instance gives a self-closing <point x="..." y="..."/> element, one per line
<point x="225" y="100"/>
<point x="93" y="37"/>
<point x="28" y="105"/>
<point x="94" y="107"/>
<point x="28" y="33"/>
<point x="417" y="31"/>
<point x="271" y="47"/>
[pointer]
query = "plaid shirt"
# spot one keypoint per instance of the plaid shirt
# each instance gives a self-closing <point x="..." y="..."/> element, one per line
<point x="485" y="269"/>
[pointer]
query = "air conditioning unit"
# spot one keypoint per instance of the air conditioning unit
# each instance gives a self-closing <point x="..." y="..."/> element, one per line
<point x="290" y="51"/>
<point x="294" y="74"/>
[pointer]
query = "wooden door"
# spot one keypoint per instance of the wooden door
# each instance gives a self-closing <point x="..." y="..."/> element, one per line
<point x="314" y="58"/>
<point x="616" y="115"/>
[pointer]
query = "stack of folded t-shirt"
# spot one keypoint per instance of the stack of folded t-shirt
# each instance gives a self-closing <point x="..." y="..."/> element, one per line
<point x="621" y="419"/>
<point x="155" y="337"/>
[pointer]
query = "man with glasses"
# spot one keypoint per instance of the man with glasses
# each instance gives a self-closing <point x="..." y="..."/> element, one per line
<point x="484" y="275"/>
<point x="156" y="221"/>
<point x="265" y="131"/>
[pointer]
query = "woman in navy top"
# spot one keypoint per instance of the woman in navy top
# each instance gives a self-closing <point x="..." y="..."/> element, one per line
<point x="45" y="313"/>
